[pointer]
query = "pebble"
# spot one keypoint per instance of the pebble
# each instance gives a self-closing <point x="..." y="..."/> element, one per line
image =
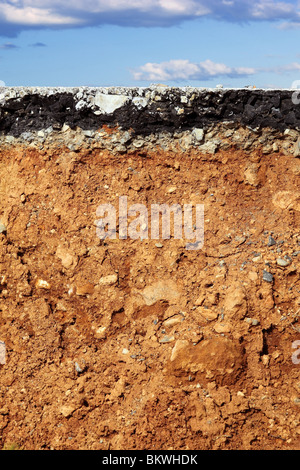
<point x="100" y="332"/>
<point x="207" y="313"/>
<point x="172" y="189"/>
<point x="108" y="280"/>
<point x="268" y="277"/>
<point x="271" y="241"/>
<point x="67" y="410"/>
<point x="253" y="276"/>
<point x="2" y="228"/>
<point x="283" y="262"/>
<point x="2" y="352"/>
<point x="252" y="321"/>
<point x="297" y="148"/>
<point x="173" y="321"/>
<point x="78" y="368"/>
<point x="138" y="143"/>
<point x="41" y="284"/>
<point x="222" y="328"/>
<point x="167" y="339"/>
<point x="198" y="134"/>
<point x="209" y="147"/>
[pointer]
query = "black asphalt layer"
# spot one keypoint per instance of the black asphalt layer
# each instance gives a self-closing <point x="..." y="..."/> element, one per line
<point x="249" y="107"/>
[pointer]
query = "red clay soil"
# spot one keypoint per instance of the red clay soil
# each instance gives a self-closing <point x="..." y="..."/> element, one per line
<point x="130" y="344"/>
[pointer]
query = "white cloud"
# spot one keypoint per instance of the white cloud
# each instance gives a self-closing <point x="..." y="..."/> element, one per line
<point x="289" y="25"/>
<point x="268" y="9"/>
<point x="28" y="15"/>
<point x="186" y="7"/>
<point x="175" y="70"/>
<point x="293" y="67"/>
<point x="58" y="13"/>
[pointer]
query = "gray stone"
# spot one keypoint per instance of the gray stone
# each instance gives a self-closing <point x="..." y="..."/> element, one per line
<point x="297" y="148"/>
<point x="2" y="227"/>
<point x="198" y="134"/>
<point x="271" y="241"/>
<point x="126" y="137"/>
<point x="209" y="147"/>
<point x="27" y="136"/>
<point x="292" y="133"/>
<point x="283" y="262"/>
<point x="186" y="141"/>
<point x="88" y="133"/>
<point x="167" y="339"/>
<point x="138" y="143"/>
<point x="268" y="277"/>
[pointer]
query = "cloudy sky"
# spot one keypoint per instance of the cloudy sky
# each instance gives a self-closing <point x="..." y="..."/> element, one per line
<point x="138" y="42"/>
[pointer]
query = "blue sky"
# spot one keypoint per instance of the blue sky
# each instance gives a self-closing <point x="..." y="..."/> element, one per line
<point x="139" y="42"/>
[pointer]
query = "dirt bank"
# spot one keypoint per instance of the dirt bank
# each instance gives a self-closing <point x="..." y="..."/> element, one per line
<point x="143" y="344"/>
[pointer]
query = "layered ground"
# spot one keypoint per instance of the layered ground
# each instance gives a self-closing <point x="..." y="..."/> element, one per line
<point x="143" y="344"/>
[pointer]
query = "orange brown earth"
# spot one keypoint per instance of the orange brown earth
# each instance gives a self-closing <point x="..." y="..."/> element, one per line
<point x="142" y="344"/>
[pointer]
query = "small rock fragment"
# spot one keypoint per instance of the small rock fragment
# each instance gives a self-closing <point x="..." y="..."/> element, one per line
<point x="253" y="276"/>
<point x="209" y="147"/>
<point x="268" y="277"/>
<point x="67" y="258"/>
<point x="283" y="262"/>
<point x="287" y="200"/>
<point x="251" y="174"/>
<point x="208" y="313"/>
<point x="167" y="339"/>
<point x="100" y="332"/>
<point x="41" y="284"/>
<point x="198" y="134"/>
<point x="222" y="328"/>
<point x="297" y="148"/>
<point x="84" y="289"/>
<point x="67" y="410"/>
<point x="271" y="241"/>
<point x="172" y="189"/>
<point x="169" y="322"/>
<point x="2" y="352"/>
<point x="78" y="368"/>
<point x="219" y="358"/>
<point x="108" y="280"/>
